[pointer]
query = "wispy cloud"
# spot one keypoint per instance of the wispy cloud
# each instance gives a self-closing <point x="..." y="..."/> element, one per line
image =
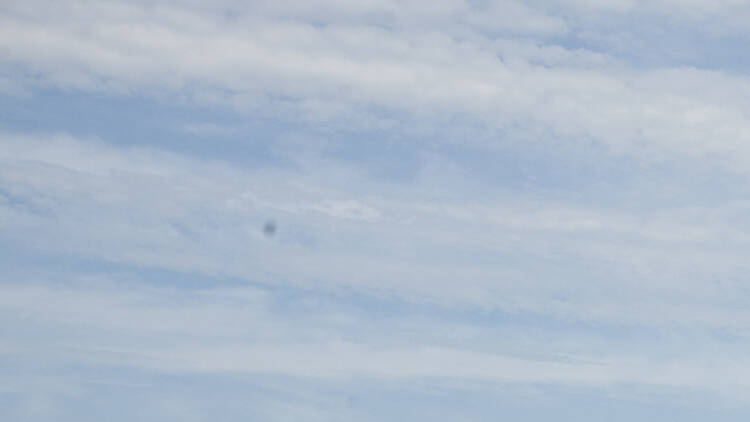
<point x="152" y="208"/>
<point x="280" y="62"/>
<point x="518" y="205"/>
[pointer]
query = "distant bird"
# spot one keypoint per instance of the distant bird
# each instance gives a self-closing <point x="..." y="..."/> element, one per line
<point x="269" y="229"/>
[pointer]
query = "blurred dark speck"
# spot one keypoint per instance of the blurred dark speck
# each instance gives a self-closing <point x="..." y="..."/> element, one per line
<point x="269" y="229"/>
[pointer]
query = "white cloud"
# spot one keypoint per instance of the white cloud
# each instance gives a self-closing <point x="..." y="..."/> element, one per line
<point x="491" y="284"/>
<point x="115" y="322"/>
<point x="150" y="208"/>
<point x="302" y="62"/>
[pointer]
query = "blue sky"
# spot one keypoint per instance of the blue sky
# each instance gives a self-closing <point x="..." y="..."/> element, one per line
<point x="485" y="210"/>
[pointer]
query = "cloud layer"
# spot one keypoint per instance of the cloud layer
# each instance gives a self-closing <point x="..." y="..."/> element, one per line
<point x="526" y="207"/>
<point x="518" y="70"/>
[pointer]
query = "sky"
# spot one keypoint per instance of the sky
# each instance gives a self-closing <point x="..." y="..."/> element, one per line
<point x="483" y="210"/>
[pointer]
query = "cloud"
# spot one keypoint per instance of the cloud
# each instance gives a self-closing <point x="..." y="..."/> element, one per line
<point x="280" y="63"/>
<point x="120" y="322"/>
<point x="146" y="207"/>
<point x="468" y="197"/>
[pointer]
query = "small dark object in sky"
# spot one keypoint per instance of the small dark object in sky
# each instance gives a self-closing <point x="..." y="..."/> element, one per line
<point x="269" y="229"/>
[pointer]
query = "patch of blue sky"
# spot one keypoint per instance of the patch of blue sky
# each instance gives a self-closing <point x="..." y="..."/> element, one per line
<point x="211" y="132"/>
<point x="650" y="36"/>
